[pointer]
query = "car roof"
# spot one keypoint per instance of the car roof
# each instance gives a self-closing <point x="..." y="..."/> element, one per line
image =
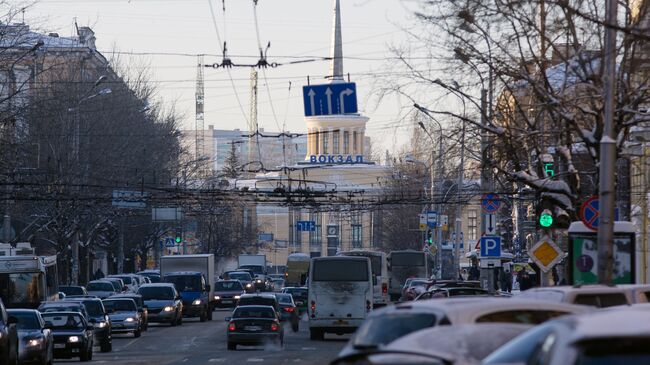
<point x="67" y="313"/>
<point x="258" y="295"/>
<point x="118" y="299"/>
<point x="126" y="295"/>
<point x="624" y="322"/>
<point x="157" y="285"/>
<point x="81" y="298"/>
<point x="60" y="303"/>
<point x="590" y="289"/>
<point x="175" y="273"/>
<point x="100" y="281"/>
<point x="256" y="306"/>
<point x="22" y="310"/>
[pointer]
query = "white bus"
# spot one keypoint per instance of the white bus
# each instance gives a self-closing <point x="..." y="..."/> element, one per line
<point x="26" y="281"/>
<point x="340" y="294"/>
<point x="379" y="266"/>
<point x="406" y="264"/>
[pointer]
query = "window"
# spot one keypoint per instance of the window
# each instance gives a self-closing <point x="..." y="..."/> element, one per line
<point x="356" y="232"/>
<point x="346" y="142"/>
<point x="354" y="142"/>
<point x="315" y="236"/>
<point x="382" y="330"/>
<point x="335" y="143"/>
<point x="601" y="300"/>
<point x="520" y="316"/>
<point x="407" y="259"/>
<point x="472" y="225"/>
<point x="326" y="142"/>
<point x="340" y="270"/>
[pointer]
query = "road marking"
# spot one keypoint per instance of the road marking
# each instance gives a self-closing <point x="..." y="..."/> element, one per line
<point x="130" y="343"/>
<point x="308" y="348"/>
<point x="185" y="359"/>
<point x="254" y="359"/>
<point x="217" y="360"/>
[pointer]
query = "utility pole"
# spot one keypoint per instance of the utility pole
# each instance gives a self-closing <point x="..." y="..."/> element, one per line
<point x="459" y="211"/>
<point x="607" y="171"/>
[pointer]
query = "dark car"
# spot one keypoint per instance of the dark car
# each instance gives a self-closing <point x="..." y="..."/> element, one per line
<point x="64" y="306"/>
<point x="36" y="342"/>
<point x="195" y="292"/>
<point x="163" y="303"/>
<point x="99" y="319"/>
<point x="73" y="336"/>
<point x="142" y="309"/>
<point x="288" y="310"/>
<point x="124" y="315"/>
<point x="8" y="337"/>
<point x="153" y="275"/>
<point x="101" y="288"/>
<point x="244" y="277"/>
<point x="260" y="299"/>
<point x="434" y="292"/>
<point x="69" y="290"/>
<point x="300" y="297"/>
<point x="228" y="292"/>
<point x="254" y="325"/>
<point x="118" y="284"/>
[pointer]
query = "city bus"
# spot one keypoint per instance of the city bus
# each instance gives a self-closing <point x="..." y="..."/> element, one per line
<point x="406" y="264"/>
<point x="340" y="294"/>
<point x="379" y="266"/>
<point x="26" y="281"/>
<point x="297" y="269"/>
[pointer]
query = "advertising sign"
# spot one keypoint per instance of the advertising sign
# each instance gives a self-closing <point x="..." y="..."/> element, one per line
<point x="584" y="260"/>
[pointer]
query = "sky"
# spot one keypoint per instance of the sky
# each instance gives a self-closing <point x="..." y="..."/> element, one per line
<point x="168" y="34"/>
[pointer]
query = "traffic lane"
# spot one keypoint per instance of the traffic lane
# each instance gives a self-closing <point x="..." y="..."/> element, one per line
<point x="202" y="343"/>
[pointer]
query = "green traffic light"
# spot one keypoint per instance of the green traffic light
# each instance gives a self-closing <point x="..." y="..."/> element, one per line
<point x="545" y="220"/>
<point x="178" y="239"/>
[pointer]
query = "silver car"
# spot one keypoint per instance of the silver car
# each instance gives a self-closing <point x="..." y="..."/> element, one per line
<point x="101" y="289"/>
<point x="124" y="315"/>
<point x="35" y="341"/>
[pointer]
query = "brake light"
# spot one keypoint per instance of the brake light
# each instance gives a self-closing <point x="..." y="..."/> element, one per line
<point x="384" y="288"/>
<point x="288" y="309"/>
<point x="274" y="327"/>
<point x="231" y="326"/>
<point x="313" y="309"/>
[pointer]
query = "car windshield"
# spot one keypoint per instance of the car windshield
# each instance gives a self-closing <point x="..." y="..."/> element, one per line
<point x="185" y="282"/>
<point x="418" y="283"/>
<point x="94" y="307"/>
<point x="284" y="299"/>
<point x="61" y="308"/>
<point x="72" y="290"/>
<point x="256" y="301"/>
<point x="381" y="330"/>
<point x="254" y="268"/>
<point x="155" y="278"/>
<point x="407" y="259"/>
<point x="156" y="292"/>
<point x="240" y="276"/>
<point x="26" y="320"/>
<point x="520" y="316"/>
<point x="228" y="285"/>
<point x="121" y="305"/>
<point x="105" y="286"/>
<point x="116" y="285"/>
<point x="297" y="293"/>
<point x="64" y="321"/>
<point x="253" y="312"/>
<point x="614" y="351"/>
<point x="125" y="279"/>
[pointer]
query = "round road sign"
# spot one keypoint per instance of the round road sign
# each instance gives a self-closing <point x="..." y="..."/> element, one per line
<point x="490" y="202"/>
<point x="589" y="213"/>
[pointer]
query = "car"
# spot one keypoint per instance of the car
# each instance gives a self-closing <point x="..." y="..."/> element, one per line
<point x="103" y="333"/>
<point x="435" y="292"/>
<point x="228" y="292"/>
<point x="260" y="299"/>
<point x="462" y="344"/>
<point x="73" y="335"/>
<point x="599" y="296"/>
<point x="36" y="342"/>
<point x="386" y="325"/>
<point x="142" y="309"/>
<point x="8" y="337"/>
<point x="288" y="310"/>
<point x="243" y="276"/>
<point x="640" y="292"/>
<point x="130" y="281"/>
<point x="600" y="337"/>
<point x="69" y="290"/>
<point x="152" y="275"/>
<point x="118" y="284"/>
<point x="413" y="288"/>
<point x="163" y="302"/>
<point x="101" y="288"/>
<point x="300" y="297"/>
<point x="254" y="325"/>
<point x="276" y="276"/>
<point x="277" y="284"/>
<point x="195" y="291"/>
<point x="124" y="315"/>
<point x="64" y="306"/>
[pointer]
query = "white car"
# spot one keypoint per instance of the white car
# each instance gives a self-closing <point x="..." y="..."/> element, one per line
<point x="600" y="296"/>
<point x="612" y="337"/>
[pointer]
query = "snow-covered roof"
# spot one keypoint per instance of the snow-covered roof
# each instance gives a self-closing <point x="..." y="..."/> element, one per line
<point x="574" y="71"/>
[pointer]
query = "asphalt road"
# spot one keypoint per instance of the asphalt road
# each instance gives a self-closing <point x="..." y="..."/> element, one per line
<point x="205" y="343"/>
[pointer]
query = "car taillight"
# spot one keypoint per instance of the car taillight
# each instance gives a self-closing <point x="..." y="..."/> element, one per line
<point x="313" y="309"/>
<point x="274" y="327"/>
<point x="384" y="288"/>
<point x="288" y="309"/>
<point x="368" y="305"/>
<point x="231" y="326"/>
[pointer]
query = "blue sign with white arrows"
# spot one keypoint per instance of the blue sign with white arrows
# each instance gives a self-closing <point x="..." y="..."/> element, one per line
<point x="490" y="246"/>
<point x="306" y="226"/>
<point x="330" y="99"/>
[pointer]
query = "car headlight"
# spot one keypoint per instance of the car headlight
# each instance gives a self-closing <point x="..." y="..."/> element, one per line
<point x="249" y="285"/>
<point x="168" y="309"/>
<point x="236" y="297"/>
<point x="196" y="302"/>
<point x="216" y="297"/>
<point x="73" y="339"/>
<point x="34" y="342"/>
<point x="101" y="324"/>
<point x="129" y="319"/>
<point x="258" y="280"/>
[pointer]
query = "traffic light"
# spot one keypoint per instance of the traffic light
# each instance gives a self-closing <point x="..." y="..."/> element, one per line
<point x="178" y="237"/>
<point x="546" y="218"/>
<point x="550" y="216"/>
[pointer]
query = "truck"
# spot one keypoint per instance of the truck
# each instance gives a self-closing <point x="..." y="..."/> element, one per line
<point x="26" y="281"/>
<point x="256" y="264"/>
<point x="193" y="276"/>
<point x="406" y="264"/>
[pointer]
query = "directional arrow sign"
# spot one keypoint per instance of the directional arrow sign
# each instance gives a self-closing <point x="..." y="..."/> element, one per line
<point x="311" y="95"/>
<point x="328" y="94"/>
<point x="342" y="95"/>
<point x="330" y="99"/>
<point x="490" y="224"/>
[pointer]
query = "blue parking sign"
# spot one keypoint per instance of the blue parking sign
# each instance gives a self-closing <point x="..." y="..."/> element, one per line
<point x="491" y="246"/>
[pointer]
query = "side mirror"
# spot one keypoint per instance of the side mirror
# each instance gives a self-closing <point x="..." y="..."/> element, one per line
<point x="12" y="320"/>
<point x="61" y="295"/>
<point x="207" y="287"/>
<point x="227" y="319"/>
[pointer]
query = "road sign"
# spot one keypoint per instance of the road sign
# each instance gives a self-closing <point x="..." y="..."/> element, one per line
<point x="589" y="213"/>
<point x="265" y="237"/>
<point x="129" y="199"/>
<point x="432" y="219"/>
<point x="306" y="226"/>
<point x="490" y="203"/>
<point x="169" y="242"/>
<point x="490" y="224"/>
<point x="545" y="253"/>
<point x="423" y="222"/>
<point x="330" y="99"/>
<point x="491" y="246"/>
<point x="444" y="222"/>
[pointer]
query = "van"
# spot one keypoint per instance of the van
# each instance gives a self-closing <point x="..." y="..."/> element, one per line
<point x="340" y="294"/>
<point x="379" y="267"/>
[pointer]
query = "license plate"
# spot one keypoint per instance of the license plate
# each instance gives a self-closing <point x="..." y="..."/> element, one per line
<point x="341" y="323"/>
<point x="75" y="350"/>
<point x="252" y="328"/>
<point x="226" y="301"/>
<point x="59" y="345"/>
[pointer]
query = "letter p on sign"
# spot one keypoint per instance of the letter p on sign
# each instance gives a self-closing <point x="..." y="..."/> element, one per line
<point x="491" y="246"/>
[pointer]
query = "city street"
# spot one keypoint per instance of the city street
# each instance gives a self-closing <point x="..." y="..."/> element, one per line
<point x="203" y="343"/>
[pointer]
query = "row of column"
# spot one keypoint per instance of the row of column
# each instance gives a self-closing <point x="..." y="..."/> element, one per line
<point x="321" y="141"/>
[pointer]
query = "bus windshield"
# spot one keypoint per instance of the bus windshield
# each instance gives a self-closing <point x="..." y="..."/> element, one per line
<point x="21" y="288"/>
<point x="407" y="259"/>
<point x="340" y="270"/>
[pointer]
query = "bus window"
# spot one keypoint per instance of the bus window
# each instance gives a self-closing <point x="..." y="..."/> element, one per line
<point x="340" y="270"/>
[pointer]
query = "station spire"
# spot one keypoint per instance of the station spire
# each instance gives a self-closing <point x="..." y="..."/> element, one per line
<point x="336" y="63"/>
